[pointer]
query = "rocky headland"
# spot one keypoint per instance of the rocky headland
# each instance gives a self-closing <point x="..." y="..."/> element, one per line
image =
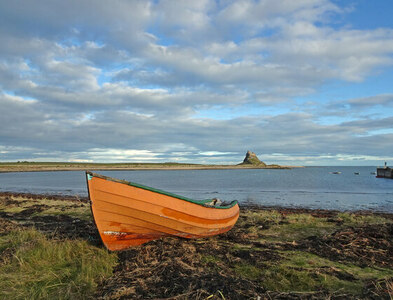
<point x="252" y="159"/>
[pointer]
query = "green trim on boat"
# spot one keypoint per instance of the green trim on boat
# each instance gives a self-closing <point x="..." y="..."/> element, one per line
<point x="90" y="175"/>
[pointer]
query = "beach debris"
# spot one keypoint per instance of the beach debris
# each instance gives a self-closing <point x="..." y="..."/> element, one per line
<point x="214" y="202"/>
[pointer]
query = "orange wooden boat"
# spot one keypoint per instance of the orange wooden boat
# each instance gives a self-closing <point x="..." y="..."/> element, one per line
<point x="129" y="214"/>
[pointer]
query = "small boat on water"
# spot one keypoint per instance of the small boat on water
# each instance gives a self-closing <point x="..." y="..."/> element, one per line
<point x="335" y="173"/>
<point x="129" y="214"/>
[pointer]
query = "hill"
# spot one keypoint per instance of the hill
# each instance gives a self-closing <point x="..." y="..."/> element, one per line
<point x="252" y="159"/>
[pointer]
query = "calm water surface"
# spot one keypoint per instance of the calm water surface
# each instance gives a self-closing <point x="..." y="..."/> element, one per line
<point x="313" y="187"/>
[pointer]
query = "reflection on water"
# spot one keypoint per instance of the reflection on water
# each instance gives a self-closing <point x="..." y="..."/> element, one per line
<point x="315" y="187"/>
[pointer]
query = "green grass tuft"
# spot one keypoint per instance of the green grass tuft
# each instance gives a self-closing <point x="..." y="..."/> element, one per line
<point x="209" y="259"/>
<point x="283" y="278"/>
<point x="350" y="219"/>
<point x="306" y="272"/>
<point x="34" y="267"/>
<point x="297" y="227"/>
<point x="46" y="207"/>
<point x="248" y="271"/>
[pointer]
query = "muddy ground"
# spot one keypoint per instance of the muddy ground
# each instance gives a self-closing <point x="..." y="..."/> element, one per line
<point x="232" y="265"/>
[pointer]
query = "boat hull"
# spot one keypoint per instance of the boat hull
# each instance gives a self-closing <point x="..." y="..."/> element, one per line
<point x="128" y="214"/>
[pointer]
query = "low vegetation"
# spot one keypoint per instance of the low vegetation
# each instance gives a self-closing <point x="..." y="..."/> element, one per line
<point x="47" y="206"/>
<point x="49" y="248"/>
<point x="35" y="267"/>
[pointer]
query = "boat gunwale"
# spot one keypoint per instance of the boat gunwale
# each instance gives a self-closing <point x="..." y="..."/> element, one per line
<point x="162" y="192"/>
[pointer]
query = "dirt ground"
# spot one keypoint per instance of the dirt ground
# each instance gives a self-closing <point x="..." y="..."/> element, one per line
<point x="231" y="265"/>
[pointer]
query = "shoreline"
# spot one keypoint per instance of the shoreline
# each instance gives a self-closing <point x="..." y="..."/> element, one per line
<point x="246" y="207"/>
<point x="49" y="167"/>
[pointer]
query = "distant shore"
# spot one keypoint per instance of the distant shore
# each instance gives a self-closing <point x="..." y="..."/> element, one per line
<point x="64" y="166"/>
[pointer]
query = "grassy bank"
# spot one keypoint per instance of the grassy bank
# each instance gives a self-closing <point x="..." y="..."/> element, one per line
<point x="36" y="267"/>
<point x="66" y="166"/>
<point x="49" y="248"/>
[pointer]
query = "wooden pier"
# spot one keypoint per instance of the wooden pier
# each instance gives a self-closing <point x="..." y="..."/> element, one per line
<point x="385" y="172"/>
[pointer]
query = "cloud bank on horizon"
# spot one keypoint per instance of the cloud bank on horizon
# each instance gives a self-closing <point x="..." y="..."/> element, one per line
<point x="306" y="82"/>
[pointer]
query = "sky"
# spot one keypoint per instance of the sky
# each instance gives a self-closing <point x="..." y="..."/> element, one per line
<point x="305" y="82"/>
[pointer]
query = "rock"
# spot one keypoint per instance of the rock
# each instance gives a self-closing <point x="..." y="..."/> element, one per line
<point x="252" y="159"/>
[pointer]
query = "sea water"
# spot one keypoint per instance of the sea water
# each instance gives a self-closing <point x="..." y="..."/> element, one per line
<point x="355" y="188"/>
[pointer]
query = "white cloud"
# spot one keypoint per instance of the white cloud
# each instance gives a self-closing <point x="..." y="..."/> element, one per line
<point x="385" y="100"/>
<point x="153" y="76"/>
<point x="121" y="155"/>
